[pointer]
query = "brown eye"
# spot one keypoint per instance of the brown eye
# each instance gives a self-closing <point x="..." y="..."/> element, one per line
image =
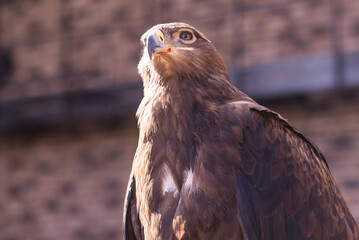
<point x="186" y="35"/>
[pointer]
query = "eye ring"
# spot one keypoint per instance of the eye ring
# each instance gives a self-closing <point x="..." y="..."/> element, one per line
<point x="186" y="35"/>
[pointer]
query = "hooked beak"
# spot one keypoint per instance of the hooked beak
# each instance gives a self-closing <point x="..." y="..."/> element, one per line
<point x="155" y="43"/>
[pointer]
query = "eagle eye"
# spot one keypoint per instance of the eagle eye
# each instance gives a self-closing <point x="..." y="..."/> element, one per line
<point x="186" y="35"/>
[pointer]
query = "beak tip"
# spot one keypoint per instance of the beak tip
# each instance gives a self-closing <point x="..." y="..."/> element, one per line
<point x="153" y="42"/>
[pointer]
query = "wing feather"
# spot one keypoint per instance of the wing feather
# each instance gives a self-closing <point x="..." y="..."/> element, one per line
<point x="284" y="188"/>
<point x="131" y="223"/>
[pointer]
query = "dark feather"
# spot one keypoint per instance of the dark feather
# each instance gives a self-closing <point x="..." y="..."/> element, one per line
<point x="132" y="227"/>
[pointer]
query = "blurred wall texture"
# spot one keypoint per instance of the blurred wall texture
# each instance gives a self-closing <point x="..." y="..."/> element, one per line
<point x="69" y="90"/>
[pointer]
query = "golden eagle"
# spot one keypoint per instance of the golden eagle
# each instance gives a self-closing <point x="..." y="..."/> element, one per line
<point x="211" y="163"/>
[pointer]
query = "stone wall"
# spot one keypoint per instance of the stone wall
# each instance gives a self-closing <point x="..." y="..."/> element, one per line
<point x="65" y="184"/>
<point x="60" y="46"/>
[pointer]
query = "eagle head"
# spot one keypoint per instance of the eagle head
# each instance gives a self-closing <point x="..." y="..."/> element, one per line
<point x="178" y="50"/>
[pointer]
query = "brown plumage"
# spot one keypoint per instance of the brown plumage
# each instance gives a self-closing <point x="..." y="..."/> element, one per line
<point x="213" y="164"/>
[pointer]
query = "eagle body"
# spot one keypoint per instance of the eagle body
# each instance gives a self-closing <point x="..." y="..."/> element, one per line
<point x="211" y="163"/>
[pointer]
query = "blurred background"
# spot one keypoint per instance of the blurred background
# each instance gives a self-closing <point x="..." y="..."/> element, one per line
<point x="69" y="90"/>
